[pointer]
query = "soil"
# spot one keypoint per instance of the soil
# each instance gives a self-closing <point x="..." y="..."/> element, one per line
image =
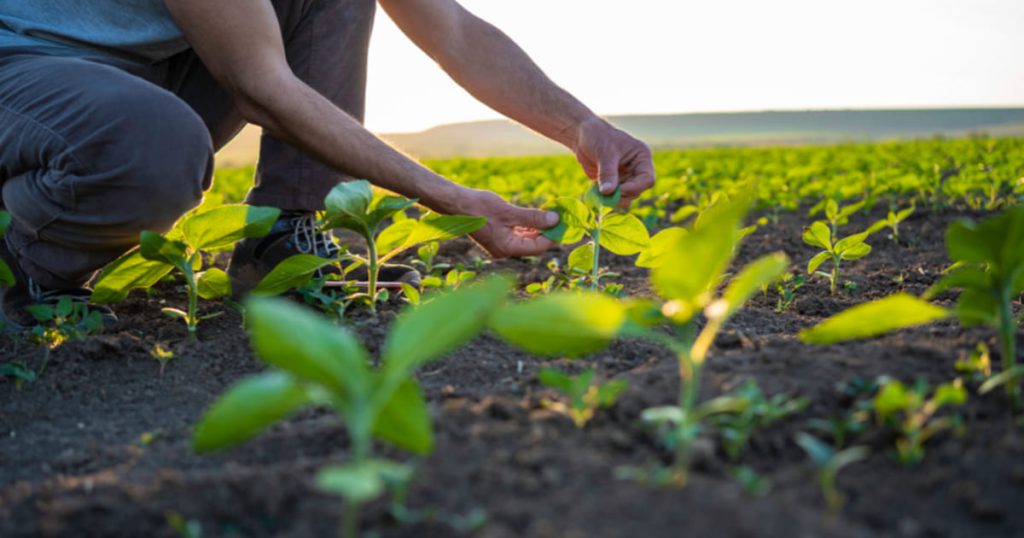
<point x="99" y="445"/>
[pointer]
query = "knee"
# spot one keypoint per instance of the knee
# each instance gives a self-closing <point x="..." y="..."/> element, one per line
<point x="159" y="155"/>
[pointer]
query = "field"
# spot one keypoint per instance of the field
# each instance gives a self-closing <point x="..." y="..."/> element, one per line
<point x="100" y="443"/>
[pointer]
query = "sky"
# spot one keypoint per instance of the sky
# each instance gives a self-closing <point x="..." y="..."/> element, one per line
<point x="669" y="56"/>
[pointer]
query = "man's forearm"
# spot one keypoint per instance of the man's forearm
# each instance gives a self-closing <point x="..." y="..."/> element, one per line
<point x="299" y="115"/>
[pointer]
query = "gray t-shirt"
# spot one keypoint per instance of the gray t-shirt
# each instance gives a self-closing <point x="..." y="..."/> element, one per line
<point x="141" y="30"/>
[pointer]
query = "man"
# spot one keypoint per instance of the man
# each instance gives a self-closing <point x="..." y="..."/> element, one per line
<point x="110" y="113"/>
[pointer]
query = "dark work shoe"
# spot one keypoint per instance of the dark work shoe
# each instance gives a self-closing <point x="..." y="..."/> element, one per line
<point x="294" y="233"/>
<point x="26" y="304"/>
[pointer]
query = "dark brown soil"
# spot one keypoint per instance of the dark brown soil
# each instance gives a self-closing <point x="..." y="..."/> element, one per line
<point x="100" y="444"/>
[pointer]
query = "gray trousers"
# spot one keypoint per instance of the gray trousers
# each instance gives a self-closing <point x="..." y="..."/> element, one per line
<point x="94" y="150"/>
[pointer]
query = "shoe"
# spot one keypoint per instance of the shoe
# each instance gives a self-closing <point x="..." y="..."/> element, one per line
<point x="19" y="301"/>
<point x="295" y="233"/>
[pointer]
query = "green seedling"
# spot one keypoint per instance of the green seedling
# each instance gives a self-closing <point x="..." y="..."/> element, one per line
<point x="753" y="483"/>
<point x="425" y="258"/>
<point x="327" y="367"/>
<point x="352" y="205"/>
<point x="848" y="248"/>
<point x="786" y="289"/>
<point x="58" y="323"/>
<point x="6" y="276"/>
<point x="181" y="250"/>
<point x="584" y="394"/>
<point x="756" y="412"/>
<point x="579" y="323"/>
<point x="892" y="221"/>
<point x="912" y="414"/>
<point x="184" y="528"/>
<point x="19" y="372"/>
<point x="989" y="271"/>
<point x="835" y="215"/>
<point x="829" y="461"/>
<point x="162" y="356"/>
<point x="594" y="217"/>
<point x="976" y="367"/>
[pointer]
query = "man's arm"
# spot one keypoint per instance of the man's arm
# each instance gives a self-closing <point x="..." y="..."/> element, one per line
<point x="240" y="43"/>
<point x="492" y="68"/>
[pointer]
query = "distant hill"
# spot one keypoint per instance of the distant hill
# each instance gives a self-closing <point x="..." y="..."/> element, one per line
<point x="505" y="138"/>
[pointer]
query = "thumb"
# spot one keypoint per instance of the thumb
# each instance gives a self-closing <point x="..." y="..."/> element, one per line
<point x="608" y="174"/>
<point x="534" y="218"/>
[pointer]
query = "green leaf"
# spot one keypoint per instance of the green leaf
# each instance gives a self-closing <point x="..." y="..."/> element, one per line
<point x="977" y="307"/>
<point x="347" y="205"/>
<point x="893" y="398"/>
<point x="696" y="260"/>
<point x="308" y="346"/>
<point x="817" y="260"/>
<point x="246" y="409"/>
<point x="404" y="421"/>
<point x="561" y="323"/>
<point x="357" y="483"/>
<point x="384" y="207"/>
<point x="894" y="312"/>
<point x="593" y="198"/>
<point x="411" y="293"/>
<point x="878" y="226"/>
<point x="428" y="331"/>
<point x="756" y="274"/>
<point x="964" y="277"/>
<point x="850" y="242"/>
<point x="394" y="236"/>
<point x="856" y="252"/>
<point x="624" y="234"/>
<point x="817" y="450"/>
<point x="831" y="210"/>
<point x="574" y="219"/>
<point x="213" y="284"/>
<point x="661" y="243"/>
<point x="292" y="272"/>
<point x="125" y="274"/>
<point x="5" y="221"/>
<point x="64" y="307"/>
<point x="42" y="313"/>
<point x="437" y="228"/>
<point x="950" y="394"/>
<point x="818" y="235"/>
<point x="223" y="226"/>
<point x="582" y="258"/>
<point x="6" y="275"/>
<point x="556" y="379"/>
<point x="155" y="247"/>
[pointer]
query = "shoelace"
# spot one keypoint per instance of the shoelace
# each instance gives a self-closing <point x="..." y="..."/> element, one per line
<point x="309" y="240"/>
<point x="41" y="296"/>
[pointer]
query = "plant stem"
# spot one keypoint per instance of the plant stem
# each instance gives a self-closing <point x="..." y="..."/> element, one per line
<point x="835" y="274"/>
<point x="1008" y="342"/>
<point x="372" y="269"/>
<point x="193" y="293"/>
<point x="350" y="527"/>
<point x="597" y="250"/>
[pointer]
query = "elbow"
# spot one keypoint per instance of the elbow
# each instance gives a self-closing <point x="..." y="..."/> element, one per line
<point x="258" y="98"/>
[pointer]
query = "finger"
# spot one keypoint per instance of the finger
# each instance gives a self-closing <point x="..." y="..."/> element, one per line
<point x="519" y="245"/>
<point x="532" y="218"/>
<point x="608" y="173"/>
<point x="639" y="179"/>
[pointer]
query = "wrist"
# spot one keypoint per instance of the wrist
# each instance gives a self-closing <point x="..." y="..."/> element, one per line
<point x="448" y="198"/>
<point x="572" y="134"/>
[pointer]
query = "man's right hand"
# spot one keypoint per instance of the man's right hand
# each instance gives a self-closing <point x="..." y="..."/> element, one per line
<point x="510" y="230"/>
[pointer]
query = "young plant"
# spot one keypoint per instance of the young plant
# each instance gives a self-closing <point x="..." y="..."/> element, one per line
<point x="892" y="221"/>
<point x="835" y="215"/>
<point x="594" y="217"/>
<point x="327" y="367"/>
<point x="786" y="289"/>
<point x="352" y="205"/>
<point x="829" y="461"/>
<point x="911" y="413"/>
<point x="851" y="247"/>
<point x="755" y="412"/>
<point x="584" y="394"/>
<point x="425" y="258"/>
<point x="989" y="271"/>
<point x="687" y="271"/>
<point x="182" y="250"/>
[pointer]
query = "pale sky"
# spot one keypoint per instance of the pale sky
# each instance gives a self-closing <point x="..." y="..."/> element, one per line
<point x="665" y="56"/>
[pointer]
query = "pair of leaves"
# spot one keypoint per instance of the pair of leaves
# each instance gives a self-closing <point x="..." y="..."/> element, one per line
<point x="216" y="229"/>
<point x="851" y="247"/>
<point x="329" y="365"/>
<point x="351" y="205"/>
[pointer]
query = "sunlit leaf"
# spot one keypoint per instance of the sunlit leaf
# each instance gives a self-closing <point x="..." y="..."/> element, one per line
<point x="223" y="226"/>
<point x="763" y="271"/>
<point x="155" y="247"/>
<point x="561" y="323"/>
<point x="581" y="258"/>
<point x="624" y="234"/>
<point x="292" y="272"/>
<point x="213" y="284"/>
<point x="659" y="245"/>
<point x="818" y="235"/>
<point x="895" y="312"/>
<point x="404" y="421"/>
<point x="246" y="409"/>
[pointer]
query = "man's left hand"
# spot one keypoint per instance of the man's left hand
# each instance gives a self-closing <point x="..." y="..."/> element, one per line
<point x="614" y="159"/>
